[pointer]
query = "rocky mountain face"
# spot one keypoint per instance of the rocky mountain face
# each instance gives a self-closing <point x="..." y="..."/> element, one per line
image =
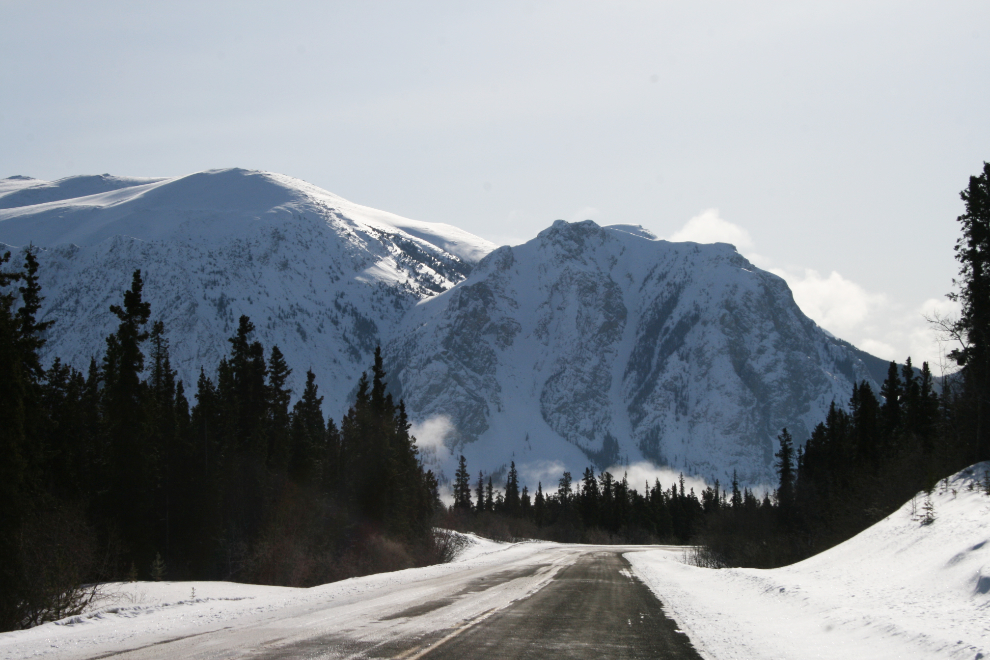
<point x="626" y="348"/>
<point x="586" y="345"/>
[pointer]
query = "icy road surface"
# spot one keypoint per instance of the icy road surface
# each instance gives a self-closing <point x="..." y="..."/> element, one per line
<point x="531" y="600"/>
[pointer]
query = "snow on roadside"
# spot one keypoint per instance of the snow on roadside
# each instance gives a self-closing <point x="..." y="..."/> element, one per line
<point x="129" y="615"/>
<point x="471" y="546"/>
<point x="900" y="589"/>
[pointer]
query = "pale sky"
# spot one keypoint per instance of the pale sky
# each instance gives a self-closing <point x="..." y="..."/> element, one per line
<point x="829" y="141"/>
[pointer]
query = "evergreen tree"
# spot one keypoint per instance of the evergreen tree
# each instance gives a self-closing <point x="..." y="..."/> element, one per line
<point x="540" y="505"/>
<point x="131" y="458"/>
<point x="927" y="410"/>
<point x="589" y="498"/>
<point x="564" y="490"/>
<point x="244" y="392"/>
<point x="525" y="504"/>
<point x="892" y="391"/>
<point x="30" y="331"/>
<point x="512" y="491"/>
<point x="462" y="486"/>
<point x="15" y="388"/>
<point x="866" y="424"/>
<point x="162" y="431"/>
<point x="785" y="470"/>
<point x="306" y="451"/>
<point x="331" y="461"/>
<point x="973" y="327"/>
<point x="479" y="492"/>
<point x="278" y="420"/>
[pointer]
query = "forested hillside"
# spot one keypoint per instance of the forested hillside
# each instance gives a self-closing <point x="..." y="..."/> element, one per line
<point x="115" y="474"/>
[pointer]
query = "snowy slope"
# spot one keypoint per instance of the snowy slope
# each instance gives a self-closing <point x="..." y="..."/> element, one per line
<point x="607" y="346"/>
<point x="324" y="279"/>
<point x="586" y="345"/>
<point x="24" y="191"/>
<point x="900" y="589"/>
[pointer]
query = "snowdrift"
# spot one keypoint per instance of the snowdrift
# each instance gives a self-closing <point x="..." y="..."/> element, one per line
<point x="904" y="588"/>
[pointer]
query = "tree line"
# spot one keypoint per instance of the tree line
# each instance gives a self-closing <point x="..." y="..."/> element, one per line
<point x="594" y="509"/>
<point x="115" y="474"/>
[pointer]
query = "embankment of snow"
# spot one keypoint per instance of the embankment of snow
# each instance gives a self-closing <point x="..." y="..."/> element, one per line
<point x="900" y="589"/>
<point x="135" y="614"/>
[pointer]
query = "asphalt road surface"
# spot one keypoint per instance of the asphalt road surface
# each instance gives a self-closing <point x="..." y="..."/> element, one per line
<point x="564" y="602"/>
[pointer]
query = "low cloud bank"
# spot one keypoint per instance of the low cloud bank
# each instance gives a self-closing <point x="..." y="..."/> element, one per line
<point x="432" y="432"/>
<point x="869" y="320"/>
<point x="709" y="227"/>
<point x="642" y="473"/>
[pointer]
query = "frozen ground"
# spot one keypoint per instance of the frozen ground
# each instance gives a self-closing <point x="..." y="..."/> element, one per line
<point x="901" y="589"/>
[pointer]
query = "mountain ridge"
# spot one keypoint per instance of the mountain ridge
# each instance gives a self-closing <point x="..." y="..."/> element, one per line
<point x="587" y="344"/>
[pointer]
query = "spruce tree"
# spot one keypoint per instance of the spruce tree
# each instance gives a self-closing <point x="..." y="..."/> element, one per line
<point x="14" y="441"/>
<point x="928" y="410"/>
<point x="462" y="486"/>
<point x="306" y="453"/>
<point x="785" y="471"/>
<point x="331" y="459"/>
<point x="525" y="504"/>
<point x="539" y="505"/>
<point x="512" y="491"/>
<point x="247" y="397"/>
<point x="973" y="327"/>
<point x="564" y="489"/>
<point x="31" y="331"/>
<point x="589" y="498"/>
<point x="892" y="391"/>
<point x="278" y="421"/>
<point x="479" y="492"/>
<point x="131" y="457"/>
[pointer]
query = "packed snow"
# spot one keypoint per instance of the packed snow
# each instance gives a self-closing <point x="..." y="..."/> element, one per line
<point x="900" y="589"/>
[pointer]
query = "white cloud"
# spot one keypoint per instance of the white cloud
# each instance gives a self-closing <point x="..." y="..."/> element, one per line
<point x="640" y="474"/>
<point x="880" y="349"/>
<point x="546" y="472"/>
<point x="432" y="432"/>
<point x="870" y="321"/>
<point x="708" y="227"/>
<point x="867" y="319"/>
<point x="835" y="303"/>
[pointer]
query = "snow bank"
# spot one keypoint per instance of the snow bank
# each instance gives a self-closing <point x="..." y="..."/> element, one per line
<point x="900" y="589"/>
<point x="136" y="614"/>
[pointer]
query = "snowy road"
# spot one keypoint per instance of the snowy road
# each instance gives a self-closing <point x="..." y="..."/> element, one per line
<point x="527" y="601"/>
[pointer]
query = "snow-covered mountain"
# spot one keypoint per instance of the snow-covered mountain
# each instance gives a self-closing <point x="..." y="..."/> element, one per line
<point x="584" y="345"/>
<point x="324" y="279"/>
<point x="606" y="346"/>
